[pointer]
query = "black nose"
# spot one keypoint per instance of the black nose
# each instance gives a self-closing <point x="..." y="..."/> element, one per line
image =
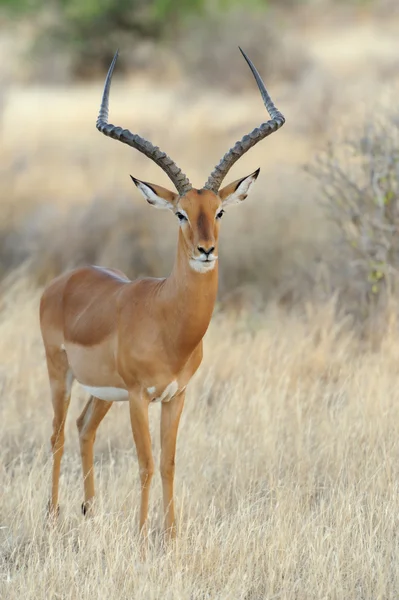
<point x="206" y="252"/>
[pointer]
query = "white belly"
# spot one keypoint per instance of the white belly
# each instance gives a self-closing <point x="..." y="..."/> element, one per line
<point x="112" y="394"/>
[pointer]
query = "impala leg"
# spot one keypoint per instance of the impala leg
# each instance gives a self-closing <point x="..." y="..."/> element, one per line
<point x="61" y="383"/>
<point x="170" y="418"/>
<point x="88" y="422"/>
<point x="142" y="440"/>
<point x="60" y="401"/>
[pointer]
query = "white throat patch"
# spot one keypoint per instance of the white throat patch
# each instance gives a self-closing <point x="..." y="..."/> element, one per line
<point x="202" y="266"/>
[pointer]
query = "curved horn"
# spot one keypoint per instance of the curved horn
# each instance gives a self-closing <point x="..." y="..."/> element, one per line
<point x="277" y="120"/>
<point x="178" y="178"/>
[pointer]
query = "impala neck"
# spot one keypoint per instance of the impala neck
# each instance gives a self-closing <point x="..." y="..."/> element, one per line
<point x="193" y="297"/>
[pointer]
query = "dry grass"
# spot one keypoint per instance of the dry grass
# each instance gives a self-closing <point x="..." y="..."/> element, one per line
<point x="287" y="462"/>
<point x="287" y="471"/>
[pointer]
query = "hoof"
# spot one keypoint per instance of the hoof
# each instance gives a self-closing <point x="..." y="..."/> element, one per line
<point x="86" y="507"/>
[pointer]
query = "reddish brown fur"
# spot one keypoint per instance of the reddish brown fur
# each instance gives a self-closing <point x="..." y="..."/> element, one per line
<point x="202" y="225"/>
<point x="107" y="331"/>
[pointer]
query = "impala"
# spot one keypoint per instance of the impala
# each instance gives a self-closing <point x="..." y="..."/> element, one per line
<point x="141" y="341"/>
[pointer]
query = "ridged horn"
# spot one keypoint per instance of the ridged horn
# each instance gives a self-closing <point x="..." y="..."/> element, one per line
<point x="277" y="120"/>
<point x="179" y="179"/>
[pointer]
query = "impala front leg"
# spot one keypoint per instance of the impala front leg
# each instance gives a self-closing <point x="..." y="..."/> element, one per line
<point x="142" y="439"/>
<point x="170" y="418"/>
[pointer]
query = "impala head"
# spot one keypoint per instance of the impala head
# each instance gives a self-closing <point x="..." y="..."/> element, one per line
<point x="198" y="211"/>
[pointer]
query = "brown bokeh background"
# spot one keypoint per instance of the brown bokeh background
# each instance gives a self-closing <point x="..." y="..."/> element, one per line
<point x="67" y="198"/>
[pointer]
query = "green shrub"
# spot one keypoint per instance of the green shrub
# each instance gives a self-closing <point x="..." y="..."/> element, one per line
<point x="91" y="30"/>
<point x="360" y="191"/>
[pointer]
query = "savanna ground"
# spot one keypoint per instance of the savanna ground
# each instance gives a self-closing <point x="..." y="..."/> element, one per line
<point x="287" y="462"/>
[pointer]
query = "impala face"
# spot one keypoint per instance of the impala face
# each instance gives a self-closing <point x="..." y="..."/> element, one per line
<point x="199" y="213"/>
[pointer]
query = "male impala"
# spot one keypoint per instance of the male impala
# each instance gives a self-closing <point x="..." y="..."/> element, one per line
<point x="141" y="341"/>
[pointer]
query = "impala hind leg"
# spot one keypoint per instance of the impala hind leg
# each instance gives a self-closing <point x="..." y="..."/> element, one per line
<point x="170" y="418"/>
<point x="88" y="422"/>
<point x="61" y="379"/>
<point x="142" y="440"/>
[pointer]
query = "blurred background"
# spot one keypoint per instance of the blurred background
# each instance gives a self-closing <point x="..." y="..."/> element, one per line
<point x="323" y="218"/>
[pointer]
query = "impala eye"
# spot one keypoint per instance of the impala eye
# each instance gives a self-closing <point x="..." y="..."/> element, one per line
<point x="220" y="214"/>
<point x="181" y="217"/>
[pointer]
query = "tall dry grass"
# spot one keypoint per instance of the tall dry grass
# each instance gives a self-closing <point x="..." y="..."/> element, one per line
<point x="286" y="479"/>
<point x="287" y="471"/>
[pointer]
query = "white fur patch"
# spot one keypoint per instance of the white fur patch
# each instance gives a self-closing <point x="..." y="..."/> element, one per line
<point x="112" y="394"/>
<point x="151" y="390"/>
<point x="202" y="266"/>
<point x="69" y="381"/>
<point x="168" y="392"/>
<point x="183" y="212"/>
<point x="153" y="198"/>
<point x="242" y="191"/>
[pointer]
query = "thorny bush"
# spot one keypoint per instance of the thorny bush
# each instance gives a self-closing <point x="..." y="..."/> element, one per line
<point x="359" y="178"/>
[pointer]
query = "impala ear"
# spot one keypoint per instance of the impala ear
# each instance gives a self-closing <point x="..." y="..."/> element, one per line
<point x="156" y="195"/>
<point x="237" y="191"/>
